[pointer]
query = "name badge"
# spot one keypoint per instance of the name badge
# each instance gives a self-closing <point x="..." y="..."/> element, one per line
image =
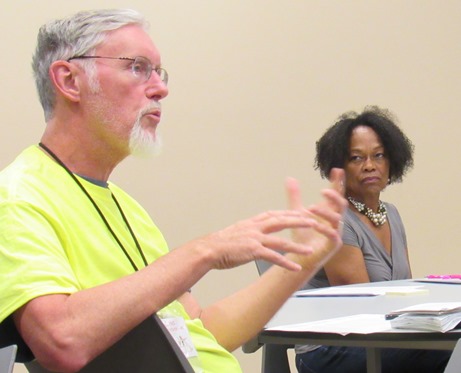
<point x="178" y="329"/>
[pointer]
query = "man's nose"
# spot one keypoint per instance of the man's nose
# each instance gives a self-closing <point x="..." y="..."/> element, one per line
<point x="156" y="89"/>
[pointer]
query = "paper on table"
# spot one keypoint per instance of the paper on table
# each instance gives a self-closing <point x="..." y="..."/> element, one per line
<point x="338" y="291"/>
<point x="439" y="317"/>
<point x="359" y="324"/>
<point x="406" y="290"/>
<point x="428" y="309"/>
<point x="440" y="323"/>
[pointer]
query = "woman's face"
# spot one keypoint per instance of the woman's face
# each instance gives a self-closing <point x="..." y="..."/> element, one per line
<point x="367" y="166"/>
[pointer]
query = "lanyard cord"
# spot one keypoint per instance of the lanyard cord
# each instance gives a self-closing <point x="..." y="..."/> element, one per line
<point x="138" y="246"/>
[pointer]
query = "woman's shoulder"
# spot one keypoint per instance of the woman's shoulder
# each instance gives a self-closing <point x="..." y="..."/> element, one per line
<point x="392" y="213"/>
<point x="391" y="207"/>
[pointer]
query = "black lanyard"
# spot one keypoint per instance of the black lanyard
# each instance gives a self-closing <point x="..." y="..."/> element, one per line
<point x="55" y="157"/>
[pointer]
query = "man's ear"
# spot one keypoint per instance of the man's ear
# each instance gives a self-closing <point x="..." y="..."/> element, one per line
<point x="66" y="79"/>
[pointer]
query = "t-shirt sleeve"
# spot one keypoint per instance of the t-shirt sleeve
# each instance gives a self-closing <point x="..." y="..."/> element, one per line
<point x="32" y="261"/>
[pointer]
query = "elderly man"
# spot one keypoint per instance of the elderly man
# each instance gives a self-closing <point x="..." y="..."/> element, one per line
<point x="81" y="263"/>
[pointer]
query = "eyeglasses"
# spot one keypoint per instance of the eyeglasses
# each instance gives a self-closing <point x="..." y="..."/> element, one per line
<point x="141" y="67"/>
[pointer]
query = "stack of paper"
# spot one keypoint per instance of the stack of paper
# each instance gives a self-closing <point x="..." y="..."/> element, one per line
<point x="437" y="317"/>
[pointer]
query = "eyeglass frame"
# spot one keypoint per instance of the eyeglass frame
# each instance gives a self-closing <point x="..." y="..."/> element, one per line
<point x="158" y="70"/>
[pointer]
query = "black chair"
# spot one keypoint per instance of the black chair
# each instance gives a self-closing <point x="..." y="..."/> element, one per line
<point x="149" y="347"/>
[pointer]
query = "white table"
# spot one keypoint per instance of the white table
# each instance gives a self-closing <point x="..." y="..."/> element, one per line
<point x="299" y="310"/>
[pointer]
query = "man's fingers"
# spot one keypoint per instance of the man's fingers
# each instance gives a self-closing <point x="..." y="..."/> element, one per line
<point x="293" y="193"/>
<point x="283" y="245"/>
<point x="280" y="260"/>
<point x="337" y="180"/>
<point x="334" y="201"/>
<point x="275" y="221"/>
<point x="330" y="232"/>
<point x="332" y="217"/>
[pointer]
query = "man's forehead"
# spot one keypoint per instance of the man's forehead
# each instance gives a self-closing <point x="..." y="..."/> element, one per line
<point x="131" y="40"/>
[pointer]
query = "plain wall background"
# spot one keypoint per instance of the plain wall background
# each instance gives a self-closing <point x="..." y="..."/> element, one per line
<point x="253" y="85"/>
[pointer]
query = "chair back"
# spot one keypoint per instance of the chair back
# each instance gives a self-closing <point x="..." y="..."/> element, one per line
<point x="149" y="347"/>
<point x="7" y="358"/>
<point x="262" y="266"/>
<point x="10" y="336"/>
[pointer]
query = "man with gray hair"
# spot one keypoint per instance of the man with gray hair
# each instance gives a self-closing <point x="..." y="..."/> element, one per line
<point x="81" y="262"/>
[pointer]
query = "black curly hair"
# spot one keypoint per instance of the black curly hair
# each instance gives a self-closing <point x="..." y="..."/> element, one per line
<point x="332" y="150"/>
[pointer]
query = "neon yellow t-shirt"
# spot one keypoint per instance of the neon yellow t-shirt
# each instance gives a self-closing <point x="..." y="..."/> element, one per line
<point x="52" y="240"/>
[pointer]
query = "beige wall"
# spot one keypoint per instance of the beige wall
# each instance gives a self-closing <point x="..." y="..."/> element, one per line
<point x="253" y="84"/>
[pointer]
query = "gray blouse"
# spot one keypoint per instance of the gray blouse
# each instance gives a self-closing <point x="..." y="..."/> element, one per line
<point x="380" y="265"/>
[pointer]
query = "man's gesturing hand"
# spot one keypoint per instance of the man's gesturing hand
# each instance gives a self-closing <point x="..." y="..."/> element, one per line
<point x="253" y="239"/>
<point x="324" y="237"/>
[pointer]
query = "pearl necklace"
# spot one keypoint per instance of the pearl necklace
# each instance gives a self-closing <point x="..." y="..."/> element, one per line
<point x="377" y="218"/>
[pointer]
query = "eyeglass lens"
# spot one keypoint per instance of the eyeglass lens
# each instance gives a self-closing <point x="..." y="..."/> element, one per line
<point x="143" y="67"/>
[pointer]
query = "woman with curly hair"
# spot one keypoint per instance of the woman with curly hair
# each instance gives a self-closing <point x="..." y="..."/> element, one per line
<point x="374" y="153"/>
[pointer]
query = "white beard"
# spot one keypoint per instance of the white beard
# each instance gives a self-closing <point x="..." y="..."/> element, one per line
<point x="142" y="142"/>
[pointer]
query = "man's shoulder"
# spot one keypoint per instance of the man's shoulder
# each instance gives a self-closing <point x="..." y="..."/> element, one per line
<point x="31" y="172"/>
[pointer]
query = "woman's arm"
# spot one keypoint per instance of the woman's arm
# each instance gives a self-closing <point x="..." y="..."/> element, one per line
<point x="347" y="266"/>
